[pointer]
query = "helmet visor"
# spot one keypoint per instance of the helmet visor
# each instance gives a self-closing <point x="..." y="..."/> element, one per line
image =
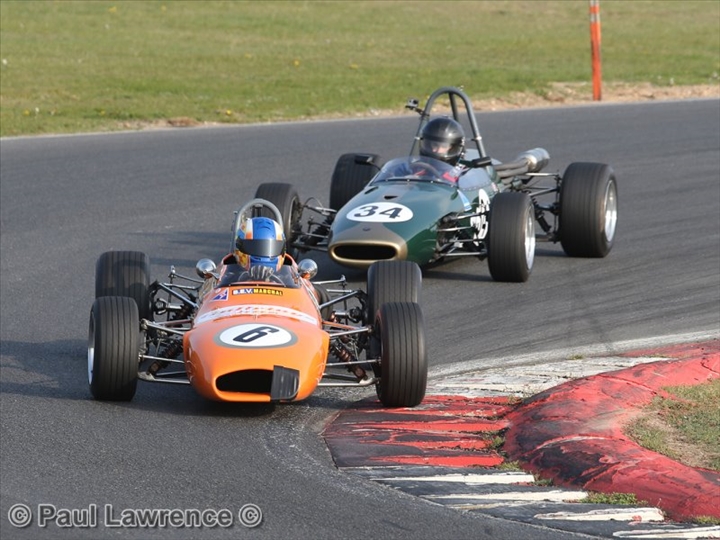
<point x="440" y="148"/>
<point x="263" y="247"/>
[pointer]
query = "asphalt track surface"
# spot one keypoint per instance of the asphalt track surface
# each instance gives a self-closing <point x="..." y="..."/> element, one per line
<point x="64" y="200"/>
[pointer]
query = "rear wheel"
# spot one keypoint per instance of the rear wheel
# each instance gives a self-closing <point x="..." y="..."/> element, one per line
<point x="324" y="296"/>
<point x="511" y="237"/>
<point x="349" y="178"/>
<point x="285" y="197"/>
<point x="125" y="273"/>
<point x="588" y="210"/>
<point x="113" y="348"/>
<point x="401" y="332"/>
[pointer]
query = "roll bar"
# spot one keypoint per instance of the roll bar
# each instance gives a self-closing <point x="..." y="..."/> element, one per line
<point x="453" y="95"/>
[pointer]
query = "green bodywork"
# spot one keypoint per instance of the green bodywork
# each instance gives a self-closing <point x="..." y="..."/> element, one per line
<point x="417" y="238"/>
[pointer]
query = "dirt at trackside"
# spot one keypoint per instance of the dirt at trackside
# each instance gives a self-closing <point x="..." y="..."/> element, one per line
<point x="559" y="94"/>
<point x="564" y="94"/>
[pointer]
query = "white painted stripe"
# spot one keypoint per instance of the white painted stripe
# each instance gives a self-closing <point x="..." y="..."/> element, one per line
<point x="256" y="310"/>
<point x="527" y="380"/>
<point x="699" y="532"/>
<point x="559" y="355"/>
<point x="469" y="479"/>
<point x="608" y="514"/>
<point x="490" y="505"/>
<point x="553" y="495"/>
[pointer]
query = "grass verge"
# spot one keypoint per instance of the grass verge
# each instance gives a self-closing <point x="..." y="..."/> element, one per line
<point x="69" y="66"/>
<point x="683" y="424"/>
<point x="629" y="499"/>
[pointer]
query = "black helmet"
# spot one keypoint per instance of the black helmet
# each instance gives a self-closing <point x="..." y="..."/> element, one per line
<point x="444" y="139"/>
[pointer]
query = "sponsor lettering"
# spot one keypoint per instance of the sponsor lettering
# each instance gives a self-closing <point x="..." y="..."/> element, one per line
<point x="258" y="290"/>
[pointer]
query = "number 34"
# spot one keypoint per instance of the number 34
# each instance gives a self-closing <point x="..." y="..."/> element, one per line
<point x="380" y="212"/>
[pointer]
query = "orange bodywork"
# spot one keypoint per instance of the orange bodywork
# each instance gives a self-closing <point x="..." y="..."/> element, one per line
<point x="256" y="343"/>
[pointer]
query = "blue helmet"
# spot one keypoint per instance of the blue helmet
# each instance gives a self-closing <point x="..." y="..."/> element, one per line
<point x="260" y="243"/>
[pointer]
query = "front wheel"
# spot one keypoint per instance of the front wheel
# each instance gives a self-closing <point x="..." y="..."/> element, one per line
<point x="113" y="348"/>
<point x="511" y="237"/>
<point x="401" y="332"/>
<point x="350" y="177"/>
<point x="588" y="210"/>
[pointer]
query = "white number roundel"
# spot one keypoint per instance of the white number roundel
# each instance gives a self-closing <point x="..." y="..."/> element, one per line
<point x="381" y="212"/>
<point x="256" y="336"/>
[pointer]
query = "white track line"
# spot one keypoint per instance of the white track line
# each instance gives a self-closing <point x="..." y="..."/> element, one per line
<point x="561" y="355"/>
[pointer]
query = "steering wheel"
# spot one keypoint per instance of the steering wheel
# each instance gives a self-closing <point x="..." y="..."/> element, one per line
<point x="276" y="279"/>
<point x="262" y="273"/>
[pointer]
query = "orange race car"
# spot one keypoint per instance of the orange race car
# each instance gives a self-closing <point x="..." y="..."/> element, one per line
<point x="256" y="329"/>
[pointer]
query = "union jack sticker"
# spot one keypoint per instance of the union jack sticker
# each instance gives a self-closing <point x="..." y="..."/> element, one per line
<point x="222" y="295"/>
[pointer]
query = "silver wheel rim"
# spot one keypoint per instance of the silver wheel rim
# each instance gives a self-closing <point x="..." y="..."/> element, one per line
<point x="529" y="240"/>
<point x="611" y="211"/>
<point x="91" y="351"/>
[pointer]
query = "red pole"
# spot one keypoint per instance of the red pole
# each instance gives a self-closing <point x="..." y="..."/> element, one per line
<point x="595" y="48"/>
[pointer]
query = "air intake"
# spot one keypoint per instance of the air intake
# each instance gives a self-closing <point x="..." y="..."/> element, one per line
<point x="365" y="252"/>
<point x="251" y="381"/>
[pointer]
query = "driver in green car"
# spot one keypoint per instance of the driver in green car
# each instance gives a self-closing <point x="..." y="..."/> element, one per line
<point x="443" y="138"/>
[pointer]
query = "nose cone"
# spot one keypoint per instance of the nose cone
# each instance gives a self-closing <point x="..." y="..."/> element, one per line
<point x="359" y="245"/>
<point x="255" y="359"/>
<point x="393" y="221"/>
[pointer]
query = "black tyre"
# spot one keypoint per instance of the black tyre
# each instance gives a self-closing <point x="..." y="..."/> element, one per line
<point x="392" y="281"/>
<point x="324" y="296"/>
<point x="125" y="273"/>
<point x="285" y="197"/>
<point x="113" y="348"/>
<point x="588" y="210"/>
<point x="401" y="331"/>
<point x="511" y="237"/>
<point x="349" y="178"/>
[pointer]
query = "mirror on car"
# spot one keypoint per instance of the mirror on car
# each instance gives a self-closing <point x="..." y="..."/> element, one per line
<point x="206" y="268"/>
<point x="481" y="162"/>
<point x="368" y="160"/>
<point x="364" y="159"/>
<point x="307" y="268"/>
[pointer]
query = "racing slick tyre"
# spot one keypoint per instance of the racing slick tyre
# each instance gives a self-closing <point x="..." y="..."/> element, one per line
<point x="350" y="177"/>
<point x="588" y="210"/>
<point x="113" y="348"/>
<point x="401" y="332"/>
<point x="511" y="237"/>
<point x="324" y="296"/>
<point x="392" y="281"/>
<point x="285" y="197"/>
<point x="125" y="273"/>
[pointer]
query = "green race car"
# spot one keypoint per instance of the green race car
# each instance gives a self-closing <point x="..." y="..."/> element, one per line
<point x="438" y="203"/>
